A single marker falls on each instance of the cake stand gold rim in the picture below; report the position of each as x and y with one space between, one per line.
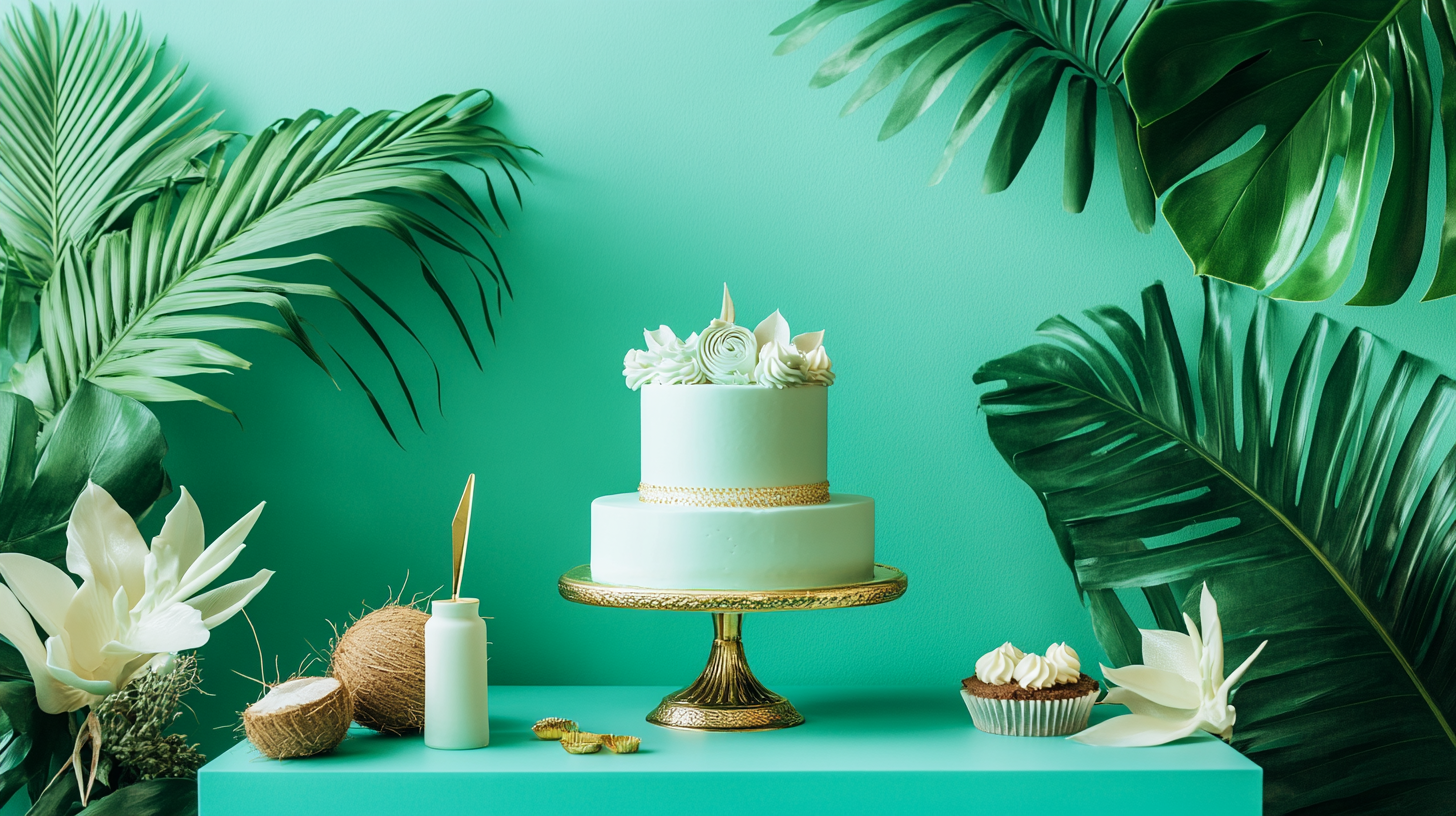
888 584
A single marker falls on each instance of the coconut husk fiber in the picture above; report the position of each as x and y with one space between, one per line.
380 659
300 718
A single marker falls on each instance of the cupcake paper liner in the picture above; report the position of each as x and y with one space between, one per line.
1030 718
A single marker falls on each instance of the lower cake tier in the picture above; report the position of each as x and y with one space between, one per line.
677 547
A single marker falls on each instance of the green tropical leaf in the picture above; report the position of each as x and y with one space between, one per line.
1033 46
1320 513
99 436
88 126
155 797
1318 79
32 743
127 317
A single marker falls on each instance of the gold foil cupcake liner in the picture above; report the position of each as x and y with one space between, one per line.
553 728
622 744
1030 718
576 743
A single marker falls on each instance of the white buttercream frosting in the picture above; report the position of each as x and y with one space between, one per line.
1065 660
817 367
995 668
1034 672
726 353
779 366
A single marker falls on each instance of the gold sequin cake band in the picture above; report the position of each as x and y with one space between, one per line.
787 496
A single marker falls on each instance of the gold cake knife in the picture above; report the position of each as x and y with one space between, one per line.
460 533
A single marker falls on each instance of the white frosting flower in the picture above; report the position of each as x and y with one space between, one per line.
779 366
638 367
1034 672
817 367
728 352
1065 660
995 668
677 362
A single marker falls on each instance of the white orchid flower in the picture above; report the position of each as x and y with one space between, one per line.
1179 690
133 603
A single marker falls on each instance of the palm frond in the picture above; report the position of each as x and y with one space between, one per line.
1032 46
127 316
88 126
1322 514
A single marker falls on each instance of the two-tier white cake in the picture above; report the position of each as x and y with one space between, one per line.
735 489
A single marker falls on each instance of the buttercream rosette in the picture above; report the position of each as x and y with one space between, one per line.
1020 694
726 353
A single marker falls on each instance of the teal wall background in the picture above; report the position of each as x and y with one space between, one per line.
678 154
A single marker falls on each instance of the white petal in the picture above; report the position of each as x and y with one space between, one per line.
773 329
1138 704
218 557
1156 685
53 696
1196 641
60 664
1212 637
103 543
179 543
1170 651
173 628
660 338
809 341
1136 730
41 587
217 605
1227 685
727 314
90 624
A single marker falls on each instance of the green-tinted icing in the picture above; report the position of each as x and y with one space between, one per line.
678 155
869 750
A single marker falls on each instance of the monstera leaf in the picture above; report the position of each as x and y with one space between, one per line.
1026 48
99 436
1320 513
1316 79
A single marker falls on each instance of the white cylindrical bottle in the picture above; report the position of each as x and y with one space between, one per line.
456 705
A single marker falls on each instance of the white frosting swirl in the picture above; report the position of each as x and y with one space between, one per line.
1034 672
1011 651
728 352
995 668
1065 660
779 366
639 367
817 368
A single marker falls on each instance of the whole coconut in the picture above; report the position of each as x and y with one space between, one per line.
381 661
303 717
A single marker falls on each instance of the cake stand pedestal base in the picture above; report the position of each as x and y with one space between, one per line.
726 696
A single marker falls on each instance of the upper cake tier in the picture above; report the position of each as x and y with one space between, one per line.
733 436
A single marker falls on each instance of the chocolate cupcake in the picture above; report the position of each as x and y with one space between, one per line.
1030 695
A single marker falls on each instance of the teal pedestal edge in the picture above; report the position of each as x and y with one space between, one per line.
863 750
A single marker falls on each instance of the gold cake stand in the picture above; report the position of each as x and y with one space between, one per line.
726 696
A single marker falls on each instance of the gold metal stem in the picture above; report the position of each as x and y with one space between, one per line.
726 696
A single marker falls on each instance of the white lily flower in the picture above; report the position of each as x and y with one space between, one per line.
1179 690
133 603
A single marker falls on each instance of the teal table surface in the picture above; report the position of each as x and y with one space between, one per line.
863 750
